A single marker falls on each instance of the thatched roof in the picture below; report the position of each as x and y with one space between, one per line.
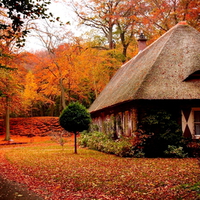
160 71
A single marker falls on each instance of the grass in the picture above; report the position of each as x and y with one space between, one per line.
94 175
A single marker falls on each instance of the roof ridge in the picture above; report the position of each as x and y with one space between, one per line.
163 35
157 56
149 46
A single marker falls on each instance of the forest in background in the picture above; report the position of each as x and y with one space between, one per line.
78 68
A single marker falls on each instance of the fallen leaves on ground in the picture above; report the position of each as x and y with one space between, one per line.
59 174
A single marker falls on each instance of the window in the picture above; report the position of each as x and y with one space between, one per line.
193 76
196 122
191 122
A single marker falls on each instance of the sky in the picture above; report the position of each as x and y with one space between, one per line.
58 9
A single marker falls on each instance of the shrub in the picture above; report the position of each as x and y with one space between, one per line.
193 148
163 131
175 152
99 141
58 136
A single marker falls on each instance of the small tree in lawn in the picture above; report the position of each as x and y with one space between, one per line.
75 118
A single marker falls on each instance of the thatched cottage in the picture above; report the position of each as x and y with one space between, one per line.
166 74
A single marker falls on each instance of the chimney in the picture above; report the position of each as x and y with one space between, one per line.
142 42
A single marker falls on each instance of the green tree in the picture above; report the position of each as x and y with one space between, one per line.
75 118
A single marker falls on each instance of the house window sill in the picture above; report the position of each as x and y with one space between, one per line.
197 137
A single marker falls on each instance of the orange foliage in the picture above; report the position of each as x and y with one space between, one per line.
80 70
84 72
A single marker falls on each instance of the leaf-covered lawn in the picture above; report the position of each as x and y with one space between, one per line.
60 174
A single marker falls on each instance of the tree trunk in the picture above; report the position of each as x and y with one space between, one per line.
75 141
125 52
110 37
124 43
62 94
7 121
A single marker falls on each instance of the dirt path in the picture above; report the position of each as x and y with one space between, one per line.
10 190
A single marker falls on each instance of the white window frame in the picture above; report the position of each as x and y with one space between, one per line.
192 125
